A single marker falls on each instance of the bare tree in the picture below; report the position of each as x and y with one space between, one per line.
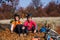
13 3
37 3
8 9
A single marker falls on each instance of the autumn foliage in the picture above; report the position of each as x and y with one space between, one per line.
50 10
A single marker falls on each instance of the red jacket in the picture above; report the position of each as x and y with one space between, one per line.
30 24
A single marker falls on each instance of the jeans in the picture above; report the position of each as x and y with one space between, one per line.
19 29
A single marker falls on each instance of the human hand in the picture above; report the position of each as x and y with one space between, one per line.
34 31
23 27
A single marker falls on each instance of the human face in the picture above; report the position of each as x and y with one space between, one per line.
29 19
17 18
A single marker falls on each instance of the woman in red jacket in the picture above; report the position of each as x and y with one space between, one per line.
30 24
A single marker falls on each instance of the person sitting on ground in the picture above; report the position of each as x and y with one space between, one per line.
45 28
30 24
17 26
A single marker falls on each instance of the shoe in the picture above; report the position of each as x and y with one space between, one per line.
20 34
11 32
25 34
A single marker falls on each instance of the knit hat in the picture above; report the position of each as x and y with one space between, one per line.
29 15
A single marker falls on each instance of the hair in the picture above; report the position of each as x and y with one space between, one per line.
16 15
29 15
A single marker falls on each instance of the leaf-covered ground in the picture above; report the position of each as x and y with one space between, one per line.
6 35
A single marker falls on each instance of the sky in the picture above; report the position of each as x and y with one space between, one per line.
25 3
